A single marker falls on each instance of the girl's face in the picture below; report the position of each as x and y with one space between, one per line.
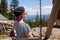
24 14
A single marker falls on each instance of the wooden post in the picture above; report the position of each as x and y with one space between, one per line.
53 16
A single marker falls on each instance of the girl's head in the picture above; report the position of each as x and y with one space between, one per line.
20 13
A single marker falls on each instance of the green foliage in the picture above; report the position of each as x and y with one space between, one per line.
4 8
43 20
31 23
14 4
11 15
37 20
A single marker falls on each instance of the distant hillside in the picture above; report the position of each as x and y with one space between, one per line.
32 17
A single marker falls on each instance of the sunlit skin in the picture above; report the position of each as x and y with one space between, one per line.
24 15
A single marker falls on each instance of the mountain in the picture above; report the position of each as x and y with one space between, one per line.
32 17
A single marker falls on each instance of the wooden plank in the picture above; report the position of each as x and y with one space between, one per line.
34 38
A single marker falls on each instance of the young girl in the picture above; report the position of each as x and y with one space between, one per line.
22 29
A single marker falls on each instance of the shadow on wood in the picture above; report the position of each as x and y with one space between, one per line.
34 38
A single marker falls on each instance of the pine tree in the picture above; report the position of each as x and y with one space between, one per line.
40 20
37 19
13 5
43 20
4 8
31 23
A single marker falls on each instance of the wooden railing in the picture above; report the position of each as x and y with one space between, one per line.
34 38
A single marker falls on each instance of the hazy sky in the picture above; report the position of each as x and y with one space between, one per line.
32 6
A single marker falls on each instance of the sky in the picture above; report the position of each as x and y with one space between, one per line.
32 6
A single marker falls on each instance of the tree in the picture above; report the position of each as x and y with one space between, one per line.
4 8
31 23
11 15
13 5
37 19
43 20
